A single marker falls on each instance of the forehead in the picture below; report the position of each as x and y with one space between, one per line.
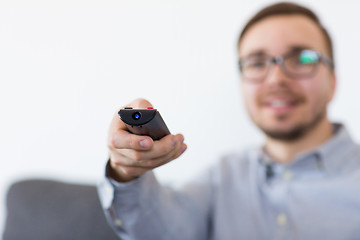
277 34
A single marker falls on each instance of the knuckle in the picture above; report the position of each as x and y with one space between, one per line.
137 156
172 156
165 148
116 162
112 144
113 140
132 142
153 163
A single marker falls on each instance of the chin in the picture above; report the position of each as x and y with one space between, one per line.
292 134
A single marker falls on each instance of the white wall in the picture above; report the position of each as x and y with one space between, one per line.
67 66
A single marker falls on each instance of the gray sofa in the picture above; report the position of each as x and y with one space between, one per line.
51 210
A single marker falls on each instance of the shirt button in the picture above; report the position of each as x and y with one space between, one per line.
118 222
281 219
287 175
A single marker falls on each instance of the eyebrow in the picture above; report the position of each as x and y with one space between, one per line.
296 48
262 52
256 53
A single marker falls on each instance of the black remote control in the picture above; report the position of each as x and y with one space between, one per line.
144 122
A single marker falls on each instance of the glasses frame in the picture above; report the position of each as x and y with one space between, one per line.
280 60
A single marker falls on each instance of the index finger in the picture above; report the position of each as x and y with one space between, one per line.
140 103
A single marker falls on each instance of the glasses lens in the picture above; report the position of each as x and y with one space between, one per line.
254 67
301 63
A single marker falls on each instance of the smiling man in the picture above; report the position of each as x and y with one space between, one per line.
288 81
302 183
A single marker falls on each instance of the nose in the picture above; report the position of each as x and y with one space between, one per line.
276 75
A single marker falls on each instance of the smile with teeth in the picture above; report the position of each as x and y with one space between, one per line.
280 103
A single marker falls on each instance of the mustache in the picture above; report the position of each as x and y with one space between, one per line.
282 93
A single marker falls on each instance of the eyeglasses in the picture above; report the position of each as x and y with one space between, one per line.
296 64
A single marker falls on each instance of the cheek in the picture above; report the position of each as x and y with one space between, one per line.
322 85
318 92
250 93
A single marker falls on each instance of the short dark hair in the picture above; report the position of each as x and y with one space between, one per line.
287 8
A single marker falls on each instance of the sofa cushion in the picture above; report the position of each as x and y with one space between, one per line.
44 209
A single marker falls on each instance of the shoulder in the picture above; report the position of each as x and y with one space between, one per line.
237 164
240 158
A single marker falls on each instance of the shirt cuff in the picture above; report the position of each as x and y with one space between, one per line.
108 187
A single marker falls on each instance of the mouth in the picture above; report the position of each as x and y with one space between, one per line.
278 103
281 105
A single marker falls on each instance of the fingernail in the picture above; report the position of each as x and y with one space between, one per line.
144 143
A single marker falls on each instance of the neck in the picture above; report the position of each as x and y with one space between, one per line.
285 151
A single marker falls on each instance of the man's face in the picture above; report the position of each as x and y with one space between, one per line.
286 108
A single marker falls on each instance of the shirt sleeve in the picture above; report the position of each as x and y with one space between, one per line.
143 209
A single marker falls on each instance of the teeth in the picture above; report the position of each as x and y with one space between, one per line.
279 103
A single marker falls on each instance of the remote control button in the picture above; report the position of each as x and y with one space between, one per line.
128 108
149 108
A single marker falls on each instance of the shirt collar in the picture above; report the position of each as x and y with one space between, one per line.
330 156
333 152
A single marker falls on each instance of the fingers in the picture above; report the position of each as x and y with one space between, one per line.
140 103
164 149
122 139
132 155
129 163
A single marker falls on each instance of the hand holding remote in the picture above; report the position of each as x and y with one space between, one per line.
131 155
